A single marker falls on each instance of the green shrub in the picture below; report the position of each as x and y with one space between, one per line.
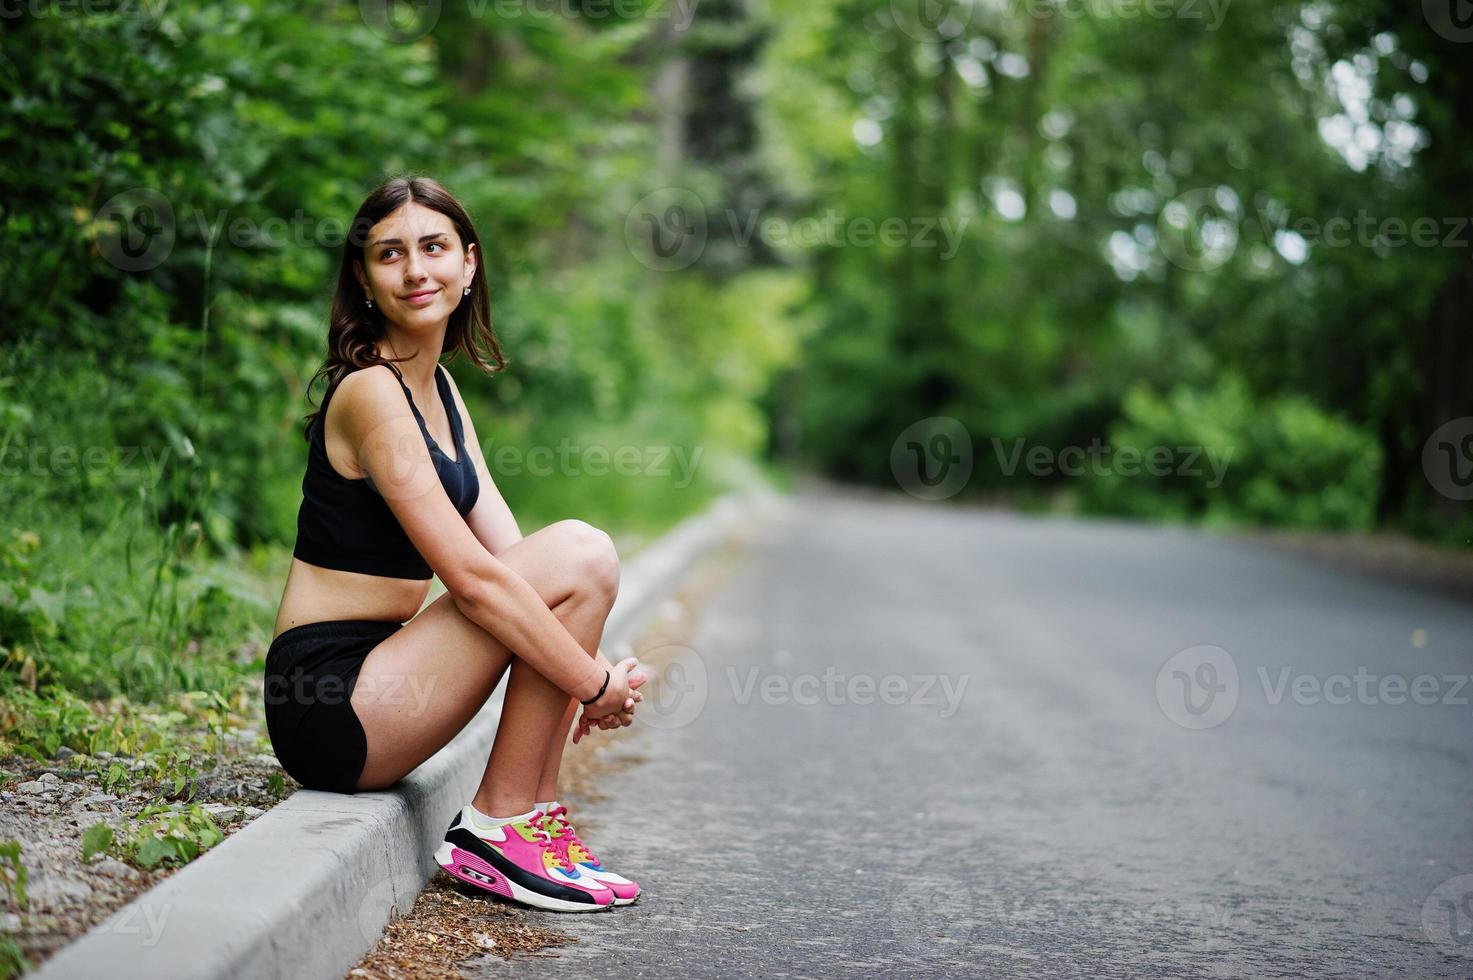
1276 460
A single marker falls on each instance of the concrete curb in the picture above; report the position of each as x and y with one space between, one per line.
306 888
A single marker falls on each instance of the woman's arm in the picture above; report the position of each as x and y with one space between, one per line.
390 448
491 519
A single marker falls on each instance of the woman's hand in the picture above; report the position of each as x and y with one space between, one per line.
616 695
622 718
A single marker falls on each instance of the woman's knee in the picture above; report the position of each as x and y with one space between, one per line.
596 557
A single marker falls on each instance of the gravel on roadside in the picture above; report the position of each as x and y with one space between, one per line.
47 806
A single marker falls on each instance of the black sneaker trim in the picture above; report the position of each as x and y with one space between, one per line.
464 839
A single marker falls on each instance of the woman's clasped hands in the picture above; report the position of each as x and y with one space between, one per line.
615 709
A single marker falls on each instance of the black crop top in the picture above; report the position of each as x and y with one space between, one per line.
347 525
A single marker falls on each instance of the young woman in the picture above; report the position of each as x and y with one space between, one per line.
396 488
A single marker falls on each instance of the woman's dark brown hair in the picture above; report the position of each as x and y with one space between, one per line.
355 327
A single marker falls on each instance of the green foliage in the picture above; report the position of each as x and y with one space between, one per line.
95 840
1083 158
23 615
150 446
1233 459
165 746
165 835
13 873
149 417
12 962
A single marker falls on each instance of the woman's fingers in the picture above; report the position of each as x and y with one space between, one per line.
619 719
581 729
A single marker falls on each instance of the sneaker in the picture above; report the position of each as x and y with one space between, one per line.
518 861
565 841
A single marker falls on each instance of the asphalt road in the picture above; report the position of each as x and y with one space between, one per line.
1107 750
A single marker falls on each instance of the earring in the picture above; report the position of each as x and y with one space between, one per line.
466 291
368 303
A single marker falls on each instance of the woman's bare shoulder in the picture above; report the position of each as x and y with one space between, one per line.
364 400
373 391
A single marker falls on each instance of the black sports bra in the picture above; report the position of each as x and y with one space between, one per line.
346 524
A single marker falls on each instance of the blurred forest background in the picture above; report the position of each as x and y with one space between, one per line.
780 232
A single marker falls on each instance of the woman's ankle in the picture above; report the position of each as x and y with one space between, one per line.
501 807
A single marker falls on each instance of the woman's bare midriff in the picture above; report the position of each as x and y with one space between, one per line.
315 594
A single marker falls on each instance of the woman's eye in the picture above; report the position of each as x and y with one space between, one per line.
389 253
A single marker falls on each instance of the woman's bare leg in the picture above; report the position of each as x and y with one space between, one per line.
547 786
422 685
535 720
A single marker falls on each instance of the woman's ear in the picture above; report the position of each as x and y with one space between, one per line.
472 259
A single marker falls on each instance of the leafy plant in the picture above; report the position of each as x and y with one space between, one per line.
1275 460
164 835
95 840
23 615
12 962
12 872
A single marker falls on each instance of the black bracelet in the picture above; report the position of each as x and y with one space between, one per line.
600 690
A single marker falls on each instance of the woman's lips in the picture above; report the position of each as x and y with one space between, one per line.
420 298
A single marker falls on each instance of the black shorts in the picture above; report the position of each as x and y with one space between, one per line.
311 671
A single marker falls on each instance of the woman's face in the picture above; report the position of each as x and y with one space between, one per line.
414 267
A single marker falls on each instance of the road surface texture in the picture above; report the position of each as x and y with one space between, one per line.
910 739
